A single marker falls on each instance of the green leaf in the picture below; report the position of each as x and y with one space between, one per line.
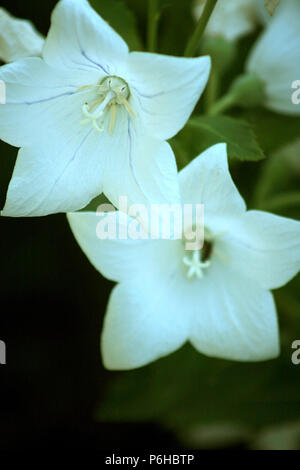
188 388
277 187
95 203
121 18
273 130
203 131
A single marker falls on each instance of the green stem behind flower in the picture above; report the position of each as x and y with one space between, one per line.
246 91
212 90
193 43
152 25
223 104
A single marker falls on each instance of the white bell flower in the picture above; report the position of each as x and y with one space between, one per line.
230 19
218 298
18 38
89 117
275 58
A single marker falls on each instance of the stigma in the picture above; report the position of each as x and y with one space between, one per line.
195 265
198 260
111 92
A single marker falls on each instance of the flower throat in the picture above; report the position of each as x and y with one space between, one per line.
198 260
113 92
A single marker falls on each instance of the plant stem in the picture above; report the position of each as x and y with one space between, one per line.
193 42
152 25
212 90
222 105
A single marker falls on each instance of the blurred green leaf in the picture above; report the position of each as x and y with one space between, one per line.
187 388
288 303
7 161
273 130
121 18
284 437
176 26
277 187
203 131
95 203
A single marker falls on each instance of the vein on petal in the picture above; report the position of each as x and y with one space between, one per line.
131 159
43 100
62 173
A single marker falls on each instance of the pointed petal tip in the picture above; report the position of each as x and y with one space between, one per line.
112 362
217 151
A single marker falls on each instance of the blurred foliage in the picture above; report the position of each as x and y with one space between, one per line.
121 18
278 182
273 130
203 131
187 388
41 262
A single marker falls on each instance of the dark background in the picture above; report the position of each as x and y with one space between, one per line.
54 390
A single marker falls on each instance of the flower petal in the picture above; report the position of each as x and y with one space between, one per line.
166 89
18 38
57 176
139 167
40 101
139 326
78 37
235 318
206 180
142 324
231 20
275 57
265 247
115 257
107 240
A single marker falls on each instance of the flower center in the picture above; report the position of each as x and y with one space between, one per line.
198 260
111 92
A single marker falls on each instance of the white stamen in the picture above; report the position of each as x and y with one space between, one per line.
113 91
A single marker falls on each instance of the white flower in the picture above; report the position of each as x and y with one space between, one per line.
231 19
275 57
92 117
18 38
218 298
